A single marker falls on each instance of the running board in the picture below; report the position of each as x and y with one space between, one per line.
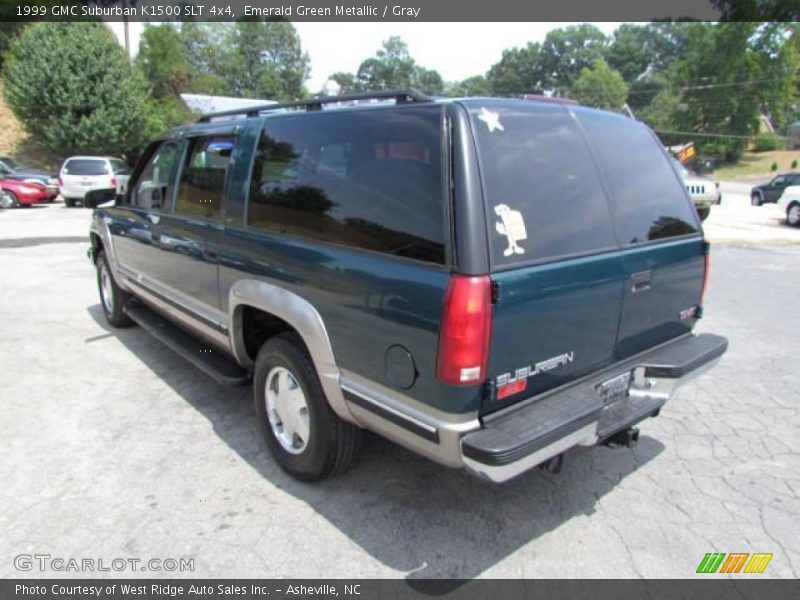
214 364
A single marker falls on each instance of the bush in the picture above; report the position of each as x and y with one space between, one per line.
774 167
74 90
766 142
794 164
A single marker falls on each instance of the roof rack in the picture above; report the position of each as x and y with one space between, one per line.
400 97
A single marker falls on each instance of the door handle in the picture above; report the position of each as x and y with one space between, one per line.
640 282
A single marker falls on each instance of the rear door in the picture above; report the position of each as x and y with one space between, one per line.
663 250
190 233
555 262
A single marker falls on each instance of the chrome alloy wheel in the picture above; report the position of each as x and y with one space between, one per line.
287 410
6 201
106 291
793 216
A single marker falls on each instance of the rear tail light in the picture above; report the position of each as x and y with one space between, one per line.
465 330
113 182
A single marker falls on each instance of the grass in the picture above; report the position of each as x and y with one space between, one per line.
755 165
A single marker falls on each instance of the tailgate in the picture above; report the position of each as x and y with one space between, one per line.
555 260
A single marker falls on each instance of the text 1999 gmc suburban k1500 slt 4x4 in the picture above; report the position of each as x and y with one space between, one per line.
487 282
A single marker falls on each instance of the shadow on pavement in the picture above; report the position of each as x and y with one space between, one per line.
403 510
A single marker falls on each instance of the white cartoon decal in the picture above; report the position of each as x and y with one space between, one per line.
512 226
492 120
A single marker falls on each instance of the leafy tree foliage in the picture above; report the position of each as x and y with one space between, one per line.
74 90
162 60
518 72
265 60
600 86
566 52
477 85
392 67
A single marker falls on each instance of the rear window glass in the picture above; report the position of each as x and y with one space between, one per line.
369 179
650 201
543 194
85 166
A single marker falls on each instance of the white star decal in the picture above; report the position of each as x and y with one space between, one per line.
492 120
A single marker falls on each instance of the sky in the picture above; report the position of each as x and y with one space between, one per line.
456 50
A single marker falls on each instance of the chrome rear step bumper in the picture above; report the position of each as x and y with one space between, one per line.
521 437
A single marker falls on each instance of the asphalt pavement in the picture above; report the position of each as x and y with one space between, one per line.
114 447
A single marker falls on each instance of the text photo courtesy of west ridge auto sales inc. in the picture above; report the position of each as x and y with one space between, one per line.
400 301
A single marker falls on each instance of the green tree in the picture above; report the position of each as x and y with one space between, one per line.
202 44
566 52
392 67
162 60
600 86
477 85
428 81
346 82
518 71
74 90
264 60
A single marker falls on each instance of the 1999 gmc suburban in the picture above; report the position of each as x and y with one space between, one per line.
487 282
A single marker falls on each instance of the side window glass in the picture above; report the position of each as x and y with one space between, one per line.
202 183
367 179
154 187
779 181
651 203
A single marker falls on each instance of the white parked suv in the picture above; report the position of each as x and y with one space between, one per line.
91 180
789 205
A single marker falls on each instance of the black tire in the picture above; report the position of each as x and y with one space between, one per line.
69 202
332 445
793 214
12 199
756 199
113 299
703 213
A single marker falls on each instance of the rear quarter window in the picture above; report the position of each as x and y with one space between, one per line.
543 196
367 179
648 198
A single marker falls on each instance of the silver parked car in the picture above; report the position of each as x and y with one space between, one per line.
703 190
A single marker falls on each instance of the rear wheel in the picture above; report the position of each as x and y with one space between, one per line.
307 439
8 199
69 202
793 215
703 213
112 297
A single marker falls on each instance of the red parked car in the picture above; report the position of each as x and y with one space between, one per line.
21 193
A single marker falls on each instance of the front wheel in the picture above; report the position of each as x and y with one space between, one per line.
307 439
793 215
703 213
8 199
69 202
756 199
112 297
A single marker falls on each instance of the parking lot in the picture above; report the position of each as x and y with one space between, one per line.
115 447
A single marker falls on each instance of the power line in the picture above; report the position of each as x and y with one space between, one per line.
717 135
709 86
